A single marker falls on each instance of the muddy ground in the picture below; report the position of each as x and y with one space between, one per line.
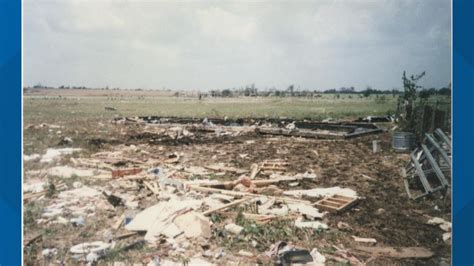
384 212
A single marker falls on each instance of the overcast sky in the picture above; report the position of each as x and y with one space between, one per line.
228 44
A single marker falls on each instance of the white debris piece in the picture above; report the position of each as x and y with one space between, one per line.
443 224
283 210
199 262
52 154
446 236
79 201
322 192
312 224
306 210
364 240
34 185
68 172
49 252
98 247
194 225
234 229
245 253
158 219
92 257
318 258
81 193
32 157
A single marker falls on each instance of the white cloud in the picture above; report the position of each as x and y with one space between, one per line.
204 45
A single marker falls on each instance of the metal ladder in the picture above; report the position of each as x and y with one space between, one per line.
433 157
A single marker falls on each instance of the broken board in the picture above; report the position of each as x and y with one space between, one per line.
336 203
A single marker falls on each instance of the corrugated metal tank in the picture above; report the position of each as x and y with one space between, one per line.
403 141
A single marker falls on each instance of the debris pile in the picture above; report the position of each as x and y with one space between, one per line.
165 195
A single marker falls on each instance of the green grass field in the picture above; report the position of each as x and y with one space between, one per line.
38 109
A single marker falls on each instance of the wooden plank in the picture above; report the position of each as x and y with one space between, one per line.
337 201
119 222
33 239
225 206
257 183
243 194
398 252
254 171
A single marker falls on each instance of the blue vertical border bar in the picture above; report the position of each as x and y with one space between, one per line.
10 132
463 132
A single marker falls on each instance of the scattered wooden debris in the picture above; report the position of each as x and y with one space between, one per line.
242 194
272 166
256 183
336 203
30 196
152 186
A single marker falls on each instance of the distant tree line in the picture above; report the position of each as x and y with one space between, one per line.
291 92
252 91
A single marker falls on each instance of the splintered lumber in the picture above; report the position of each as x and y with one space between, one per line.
119 222
33 239
34 195
151 187
243 194
398 252
266 182
125 235
225 206
254 171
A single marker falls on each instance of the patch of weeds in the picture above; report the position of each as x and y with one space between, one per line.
194 177
114 254
327 250
86 233
267 234
334 235
216 218
212 176
32 212
184 260
47 232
